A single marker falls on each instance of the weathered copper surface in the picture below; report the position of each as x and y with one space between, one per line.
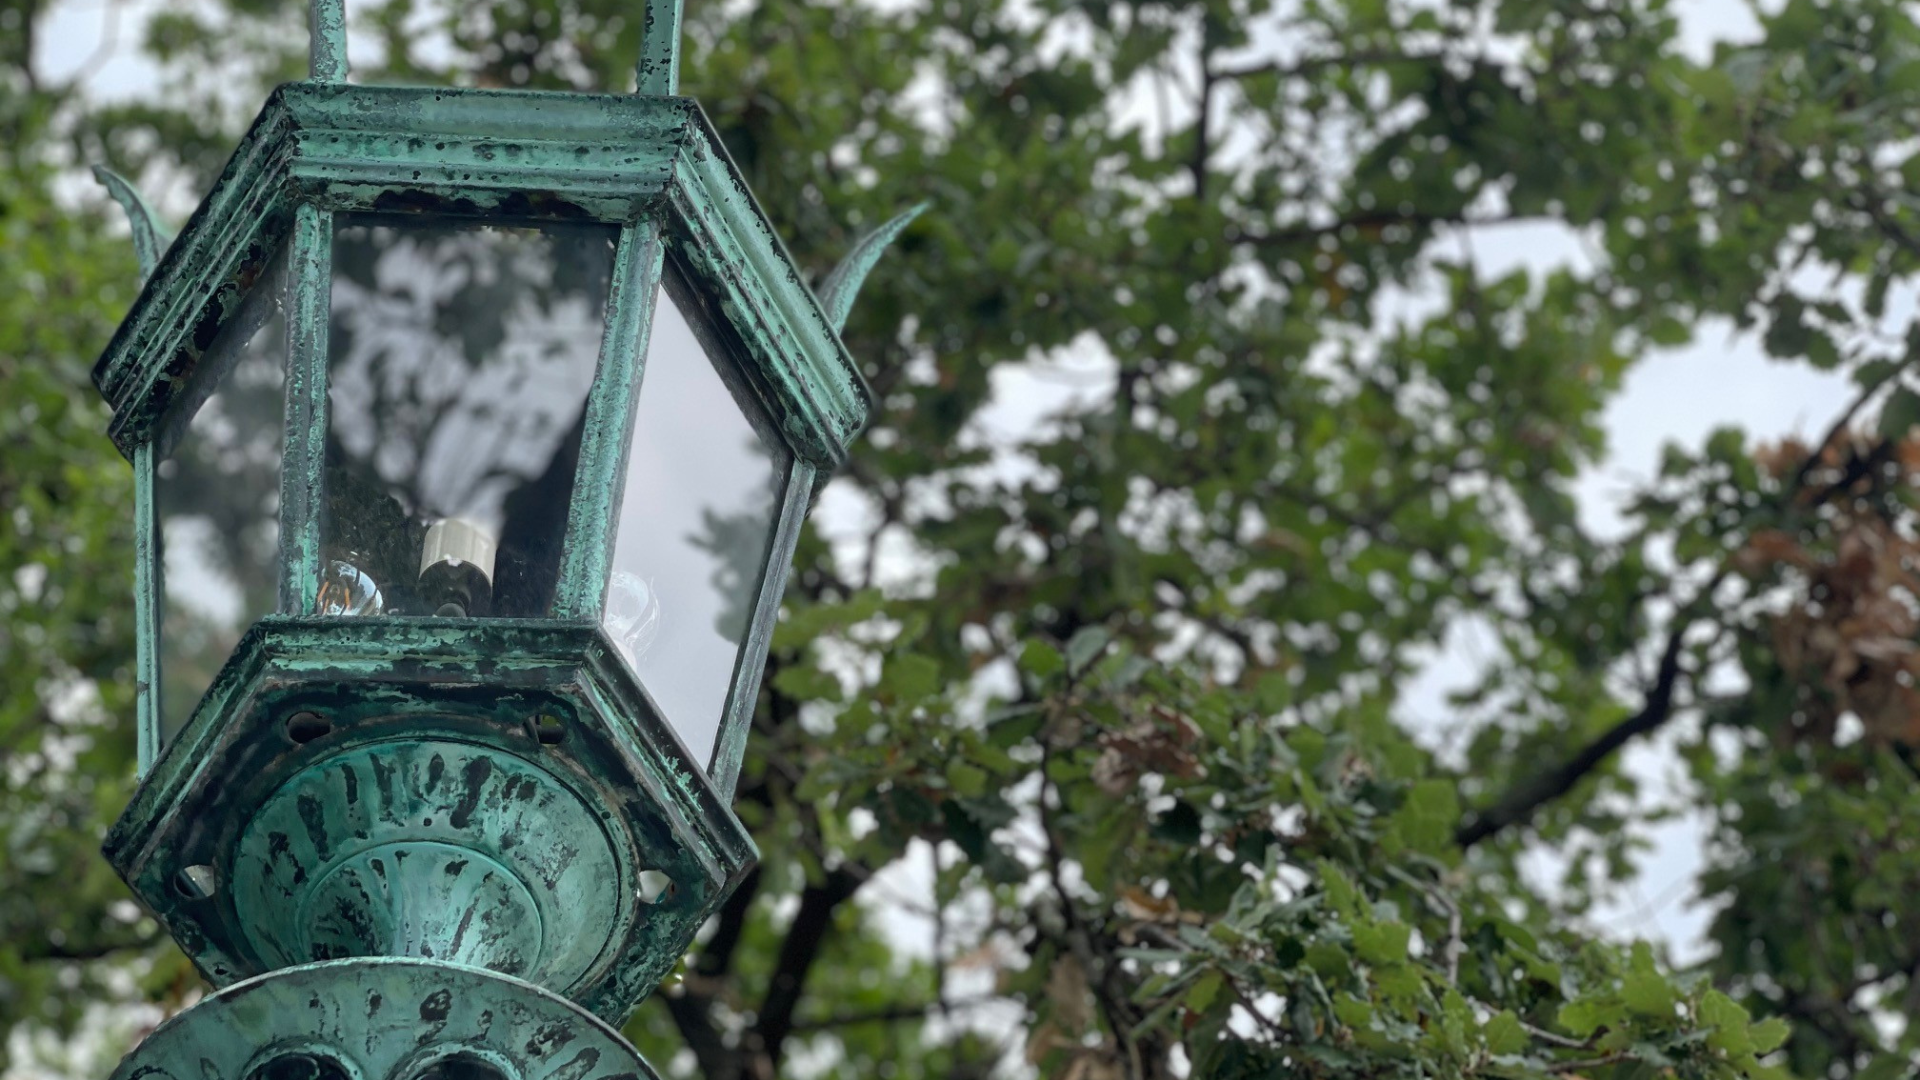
498 793
384 1019
424 848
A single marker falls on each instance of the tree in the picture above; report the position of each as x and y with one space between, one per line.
1129 672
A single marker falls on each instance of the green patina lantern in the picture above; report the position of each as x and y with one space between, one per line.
472 434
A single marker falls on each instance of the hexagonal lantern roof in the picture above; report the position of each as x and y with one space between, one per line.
498 155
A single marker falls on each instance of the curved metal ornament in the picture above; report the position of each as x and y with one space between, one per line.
150 238
384 1019
843 284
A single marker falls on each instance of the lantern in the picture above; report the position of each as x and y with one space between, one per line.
472 433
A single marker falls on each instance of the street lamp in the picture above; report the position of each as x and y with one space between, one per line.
472 432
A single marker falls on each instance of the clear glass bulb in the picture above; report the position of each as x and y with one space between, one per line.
345 589
633 614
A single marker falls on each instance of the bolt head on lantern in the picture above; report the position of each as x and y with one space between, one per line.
472 433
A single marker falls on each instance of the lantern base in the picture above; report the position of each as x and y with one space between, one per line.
487 793
384 1019
430 847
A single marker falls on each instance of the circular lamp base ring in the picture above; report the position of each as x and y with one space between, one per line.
382 1018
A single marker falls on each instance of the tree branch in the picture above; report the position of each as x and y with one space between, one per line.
1524 800
805 937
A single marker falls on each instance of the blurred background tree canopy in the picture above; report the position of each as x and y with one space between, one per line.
1199 428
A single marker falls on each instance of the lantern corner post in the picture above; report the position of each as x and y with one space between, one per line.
608 421
658 73
308 308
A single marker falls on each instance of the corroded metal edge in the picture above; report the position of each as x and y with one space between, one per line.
730 747
725 244
147 568
606 437
503 154
382 1017
199 282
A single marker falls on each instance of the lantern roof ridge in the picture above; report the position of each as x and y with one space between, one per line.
512 156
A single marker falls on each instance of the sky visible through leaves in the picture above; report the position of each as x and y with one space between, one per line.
1677 396
1723 378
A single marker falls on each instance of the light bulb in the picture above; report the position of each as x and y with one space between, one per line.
345 589
633 615
456 568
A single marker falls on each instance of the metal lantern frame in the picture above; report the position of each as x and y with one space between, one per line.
651 166
548 696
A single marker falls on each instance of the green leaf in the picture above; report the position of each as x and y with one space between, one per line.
1899 415
910 677
1649 994
1427 818
1329 961
1769 1035
966 779
1382 943
1503 1033
1886 1067
804 682
1584 1016
1085 647
1352 1011
1204 989
1042 660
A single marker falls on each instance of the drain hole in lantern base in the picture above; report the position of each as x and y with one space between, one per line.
195 882
460 1067
299 1066
548 729
304 727
655 887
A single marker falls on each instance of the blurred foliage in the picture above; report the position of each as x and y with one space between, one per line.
1123 683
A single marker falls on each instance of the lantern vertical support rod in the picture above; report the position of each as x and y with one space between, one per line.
609 416
328 44
659 72
146 610
730 749
309 306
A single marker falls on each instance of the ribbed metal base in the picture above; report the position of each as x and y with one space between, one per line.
384 1019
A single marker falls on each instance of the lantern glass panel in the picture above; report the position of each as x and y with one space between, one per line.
459 360
217 499
697 513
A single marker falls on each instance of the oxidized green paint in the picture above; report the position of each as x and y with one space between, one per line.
841 286
150 238
610 408
501 155
146 612
327 56
326 742
489 798
383 1019
659 70
309 296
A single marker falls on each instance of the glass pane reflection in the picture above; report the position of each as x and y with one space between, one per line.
217 498
696 519
459 360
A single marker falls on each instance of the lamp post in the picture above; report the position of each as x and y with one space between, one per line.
472 431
